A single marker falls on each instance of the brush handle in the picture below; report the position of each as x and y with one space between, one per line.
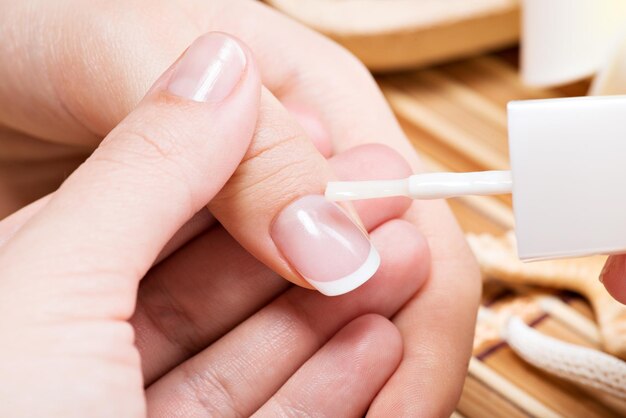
445 185
424 186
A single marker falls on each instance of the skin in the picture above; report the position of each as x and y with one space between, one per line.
613 277
81 262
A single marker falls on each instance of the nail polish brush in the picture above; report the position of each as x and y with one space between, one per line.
424 186
567 178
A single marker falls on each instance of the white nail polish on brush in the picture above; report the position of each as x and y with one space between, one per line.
568 178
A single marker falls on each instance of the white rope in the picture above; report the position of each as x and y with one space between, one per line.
575 363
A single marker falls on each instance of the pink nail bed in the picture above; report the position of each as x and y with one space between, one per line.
210 69
324 245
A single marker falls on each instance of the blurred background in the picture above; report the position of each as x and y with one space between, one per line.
550 341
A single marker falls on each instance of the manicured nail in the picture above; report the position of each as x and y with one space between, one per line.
323 244
209 70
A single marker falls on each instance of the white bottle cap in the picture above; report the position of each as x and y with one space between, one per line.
568 161
566 40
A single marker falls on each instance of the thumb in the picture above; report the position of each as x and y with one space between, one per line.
101 231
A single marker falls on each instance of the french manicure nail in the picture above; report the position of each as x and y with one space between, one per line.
324 245
209 70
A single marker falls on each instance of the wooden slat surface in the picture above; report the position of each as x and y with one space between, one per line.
390 35
455 115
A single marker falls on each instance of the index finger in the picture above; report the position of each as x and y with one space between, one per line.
437 324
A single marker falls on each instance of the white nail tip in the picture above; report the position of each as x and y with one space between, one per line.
352 280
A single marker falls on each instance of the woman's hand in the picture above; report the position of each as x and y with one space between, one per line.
217 333
72 70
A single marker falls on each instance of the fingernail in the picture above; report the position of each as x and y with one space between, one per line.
323 244
209 70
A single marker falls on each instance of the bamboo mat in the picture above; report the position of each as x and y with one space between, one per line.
455 116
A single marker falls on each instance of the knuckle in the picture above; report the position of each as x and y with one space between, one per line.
210 393
341 54
99 46
286 408
147 144
279 160
150 153
167 313
349 61
148 139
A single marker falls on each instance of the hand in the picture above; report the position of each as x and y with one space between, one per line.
71 269
328 91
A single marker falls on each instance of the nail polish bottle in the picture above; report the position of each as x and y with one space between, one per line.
568 177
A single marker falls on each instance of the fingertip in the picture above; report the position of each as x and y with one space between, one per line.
352 281
373 162
404 250
252 72
369 162
216 67
613 277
